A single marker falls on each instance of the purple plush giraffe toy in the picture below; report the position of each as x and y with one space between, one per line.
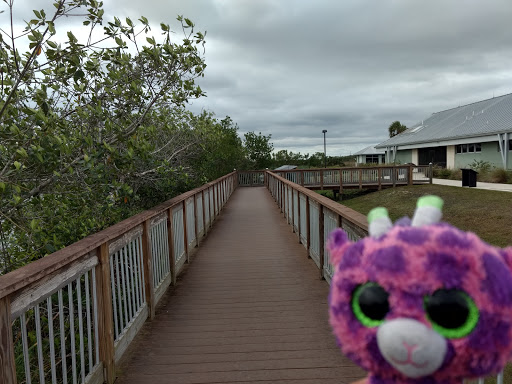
421 302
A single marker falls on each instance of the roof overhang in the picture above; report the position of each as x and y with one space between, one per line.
442 143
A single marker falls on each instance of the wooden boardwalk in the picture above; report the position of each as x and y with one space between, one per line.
249 309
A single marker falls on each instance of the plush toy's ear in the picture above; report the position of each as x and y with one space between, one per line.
428 211
337 244
378 222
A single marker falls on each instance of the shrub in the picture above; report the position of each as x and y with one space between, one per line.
500 175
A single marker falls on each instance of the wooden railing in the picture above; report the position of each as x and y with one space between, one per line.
358 177
251 178
70 316
313 217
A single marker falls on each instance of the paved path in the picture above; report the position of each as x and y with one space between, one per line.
249 309
479 185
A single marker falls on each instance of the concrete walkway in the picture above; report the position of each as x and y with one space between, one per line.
479 185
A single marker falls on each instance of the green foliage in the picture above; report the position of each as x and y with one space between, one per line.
481 166
396 128
258 150
94 131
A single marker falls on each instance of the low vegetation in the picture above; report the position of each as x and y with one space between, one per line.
486 173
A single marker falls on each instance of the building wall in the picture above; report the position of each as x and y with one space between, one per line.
415 156
489 153
450 156
404 156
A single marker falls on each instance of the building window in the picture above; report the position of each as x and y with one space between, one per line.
372 159
469 148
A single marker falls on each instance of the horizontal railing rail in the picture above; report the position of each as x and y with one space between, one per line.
313 217
358 177
71 315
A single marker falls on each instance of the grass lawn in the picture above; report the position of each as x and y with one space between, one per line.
486 213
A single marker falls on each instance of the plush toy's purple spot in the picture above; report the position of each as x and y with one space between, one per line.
450 354
414 236
483 365
490 333
454 238
389 259
498 282
352 257
403 222
379 380
447 269
339 237
375 355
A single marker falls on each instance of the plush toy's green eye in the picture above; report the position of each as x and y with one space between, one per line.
452 313
370 304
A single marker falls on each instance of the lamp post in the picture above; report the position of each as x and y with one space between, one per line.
325 153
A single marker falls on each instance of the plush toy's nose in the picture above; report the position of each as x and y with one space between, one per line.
411 347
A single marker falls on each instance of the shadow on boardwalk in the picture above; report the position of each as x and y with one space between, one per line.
250 308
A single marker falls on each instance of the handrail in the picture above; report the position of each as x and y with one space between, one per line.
72 314
313 216
358 177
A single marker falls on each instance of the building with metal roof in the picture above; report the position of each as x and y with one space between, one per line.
456 137
285 168
370 155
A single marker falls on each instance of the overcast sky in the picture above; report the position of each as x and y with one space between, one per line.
291 68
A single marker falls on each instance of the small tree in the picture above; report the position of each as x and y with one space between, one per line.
396 128
259 150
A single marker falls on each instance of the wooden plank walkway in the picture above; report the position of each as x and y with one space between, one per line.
249 309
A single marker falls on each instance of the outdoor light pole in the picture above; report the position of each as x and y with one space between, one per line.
325 153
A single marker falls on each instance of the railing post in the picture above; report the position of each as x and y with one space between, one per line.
7 361
298 214
210 205
205 231
410 181
148 268
430 172
196 226
321 238
105 316
379 175
308 228
322 180
393 175
302 178
341 182
170 241
185 235
293 211
360 178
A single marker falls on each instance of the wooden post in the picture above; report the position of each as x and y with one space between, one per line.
322 180
302 178
148 268
298 214
252 177
339 221
205 231
379 176
210 206
170 242
196 225
410 181
105 316
393 175
308 228
341 182
430 172
7 361
185 235
322 239
360 178
293 211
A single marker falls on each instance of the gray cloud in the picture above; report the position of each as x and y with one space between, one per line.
291 68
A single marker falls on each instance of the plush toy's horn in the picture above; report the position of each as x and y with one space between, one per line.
428 211
379 222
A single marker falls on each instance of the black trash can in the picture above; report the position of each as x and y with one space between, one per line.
468 177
